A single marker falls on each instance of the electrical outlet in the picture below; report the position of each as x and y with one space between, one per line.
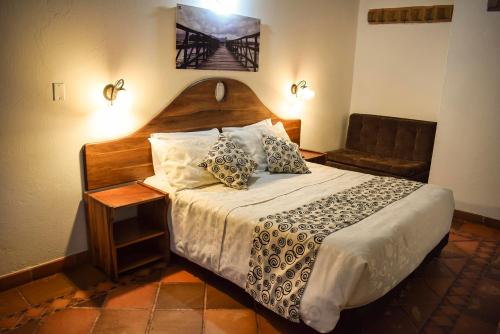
58 91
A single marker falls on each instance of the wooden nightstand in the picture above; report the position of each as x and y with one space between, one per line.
120 244
313 156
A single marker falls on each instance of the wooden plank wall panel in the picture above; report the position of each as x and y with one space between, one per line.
416 14
129 158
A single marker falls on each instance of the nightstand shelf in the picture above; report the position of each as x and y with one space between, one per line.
313 156
139 254
133 230
122 244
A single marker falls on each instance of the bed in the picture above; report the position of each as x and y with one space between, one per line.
216 226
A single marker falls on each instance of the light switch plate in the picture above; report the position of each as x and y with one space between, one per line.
58 91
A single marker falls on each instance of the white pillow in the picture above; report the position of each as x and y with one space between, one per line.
264 123
155 154
178 161
179 135
213 133
280 132
249 138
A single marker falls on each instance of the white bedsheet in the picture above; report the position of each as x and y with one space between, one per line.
213 227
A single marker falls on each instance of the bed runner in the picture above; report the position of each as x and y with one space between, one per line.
285 244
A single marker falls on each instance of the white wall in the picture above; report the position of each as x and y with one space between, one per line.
467 150
399 68
87 44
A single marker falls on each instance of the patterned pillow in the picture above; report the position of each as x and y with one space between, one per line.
283 156
228 163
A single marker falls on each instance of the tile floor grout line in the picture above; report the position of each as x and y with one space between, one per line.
153 309
131 308
469 294
442 299
419 330
205 301
170 309
107 297
35 331
95 321
460 308
254 308
23 297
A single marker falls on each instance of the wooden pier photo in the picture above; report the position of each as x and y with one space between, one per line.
209 41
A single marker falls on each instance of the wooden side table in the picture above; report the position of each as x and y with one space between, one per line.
120 244
313 156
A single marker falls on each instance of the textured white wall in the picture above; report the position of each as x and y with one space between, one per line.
87 44
467 150
399 68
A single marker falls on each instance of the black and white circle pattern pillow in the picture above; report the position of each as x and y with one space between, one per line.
229 164
283 156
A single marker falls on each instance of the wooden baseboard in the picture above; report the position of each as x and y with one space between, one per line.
475 218
43 270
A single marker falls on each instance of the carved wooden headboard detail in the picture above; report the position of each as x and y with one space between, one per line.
129 158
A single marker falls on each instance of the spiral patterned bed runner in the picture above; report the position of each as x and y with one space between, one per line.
285 244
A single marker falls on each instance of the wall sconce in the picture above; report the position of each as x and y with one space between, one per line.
110 92
221 7
220 91
302 90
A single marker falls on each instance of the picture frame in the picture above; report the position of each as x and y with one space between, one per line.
206 40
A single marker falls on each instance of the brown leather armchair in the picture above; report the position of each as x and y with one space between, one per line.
390 146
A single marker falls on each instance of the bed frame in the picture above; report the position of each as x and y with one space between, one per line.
128 159
196 108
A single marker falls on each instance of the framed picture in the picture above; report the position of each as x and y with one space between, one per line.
208 41
493 5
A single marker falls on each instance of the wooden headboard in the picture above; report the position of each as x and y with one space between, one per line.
129 158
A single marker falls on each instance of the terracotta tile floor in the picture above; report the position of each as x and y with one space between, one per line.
458 292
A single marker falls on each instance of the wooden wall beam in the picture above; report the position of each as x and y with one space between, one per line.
415 14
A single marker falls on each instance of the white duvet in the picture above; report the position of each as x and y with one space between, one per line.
213 227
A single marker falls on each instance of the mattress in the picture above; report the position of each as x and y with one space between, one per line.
213 227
